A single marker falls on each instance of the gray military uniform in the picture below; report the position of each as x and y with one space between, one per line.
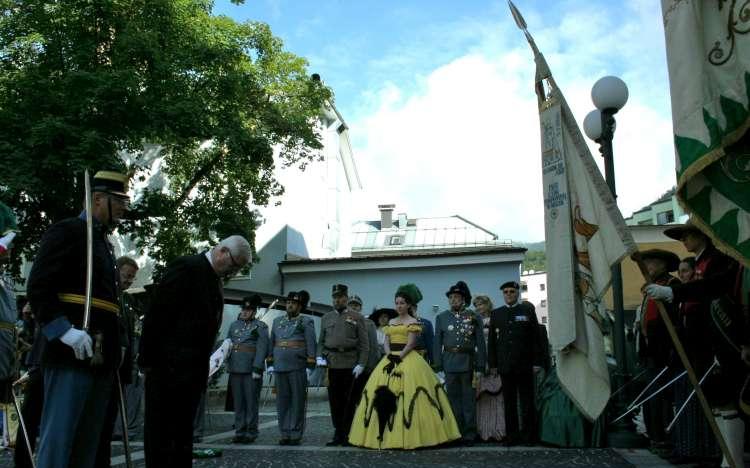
460 351
293 342
373 356
247 354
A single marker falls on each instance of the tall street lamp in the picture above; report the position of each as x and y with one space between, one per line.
610 95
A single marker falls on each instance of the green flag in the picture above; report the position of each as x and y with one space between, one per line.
708 53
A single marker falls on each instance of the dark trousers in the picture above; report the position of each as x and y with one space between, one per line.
342 400
462 398
31 411
657 412
171 404
520 412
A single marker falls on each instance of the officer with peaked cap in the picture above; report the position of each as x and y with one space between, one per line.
291 361
77 392
248 348
514 352
460 354
344 348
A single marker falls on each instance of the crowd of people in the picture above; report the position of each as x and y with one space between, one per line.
395 380
706 299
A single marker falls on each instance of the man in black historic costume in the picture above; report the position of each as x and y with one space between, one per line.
514 353
179 331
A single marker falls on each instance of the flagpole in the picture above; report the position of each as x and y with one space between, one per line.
688 367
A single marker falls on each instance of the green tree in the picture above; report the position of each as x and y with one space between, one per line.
535 260
82 80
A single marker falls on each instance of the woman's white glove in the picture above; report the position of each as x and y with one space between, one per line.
269 370
80 341
321 362
660 293
357 371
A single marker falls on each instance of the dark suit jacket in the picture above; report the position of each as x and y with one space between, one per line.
513 339
183 319
60 268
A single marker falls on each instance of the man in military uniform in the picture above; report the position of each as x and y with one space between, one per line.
134 380
248 347
373 358
179 332
460 356
127 269
291 361
514 352
344 348
76 392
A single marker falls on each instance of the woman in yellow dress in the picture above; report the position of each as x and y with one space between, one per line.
403 406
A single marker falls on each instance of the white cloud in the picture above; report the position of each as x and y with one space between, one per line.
464 138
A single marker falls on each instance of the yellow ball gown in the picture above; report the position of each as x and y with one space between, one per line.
420 414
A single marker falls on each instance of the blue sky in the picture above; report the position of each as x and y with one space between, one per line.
440 103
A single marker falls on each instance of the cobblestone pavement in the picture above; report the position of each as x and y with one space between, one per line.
313 453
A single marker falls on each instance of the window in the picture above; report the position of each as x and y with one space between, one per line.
395 240
524 287
544 320
543 303
665 217
541 286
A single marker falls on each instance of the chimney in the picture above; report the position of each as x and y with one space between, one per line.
386 216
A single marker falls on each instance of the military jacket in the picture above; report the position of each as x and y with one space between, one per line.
57 288
343 340
249 347
373 357
459 342
513 339
293 342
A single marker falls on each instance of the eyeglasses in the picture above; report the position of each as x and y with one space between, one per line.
510 291
235 266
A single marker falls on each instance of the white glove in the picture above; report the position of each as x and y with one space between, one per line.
269 370
660 293
357 371
321 362
441 377
6 241
256 375
309 373
80 341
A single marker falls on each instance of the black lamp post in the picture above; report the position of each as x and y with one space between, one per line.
609 95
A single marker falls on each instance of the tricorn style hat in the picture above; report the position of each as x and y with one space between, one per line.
302 297
375 315
410 292
251 302
678 232
355 299
671 260
510 284
340 290
462 289
113 183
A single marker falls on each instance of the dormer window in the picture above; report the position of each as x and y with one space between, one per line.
395 240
